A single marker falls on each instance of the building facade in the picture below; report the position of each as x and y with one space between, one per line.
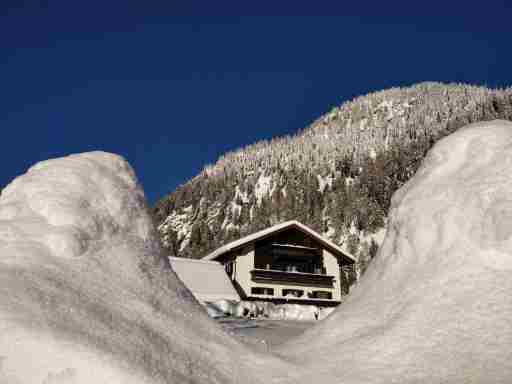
288 262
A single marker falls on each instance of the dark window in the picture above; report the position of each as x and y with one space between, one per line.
289 258
320 295
291 251
262 291
293 292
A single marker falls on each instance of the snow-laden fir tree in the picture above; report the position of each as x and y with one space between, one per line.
336 176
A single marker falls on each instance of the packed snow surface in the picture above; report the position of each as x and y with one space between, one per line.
86 295
435 305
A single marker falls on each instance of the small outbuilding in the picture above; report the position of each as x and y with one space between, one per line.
207 280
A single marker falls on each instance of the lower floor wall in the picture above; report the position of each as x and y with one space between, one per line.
290 300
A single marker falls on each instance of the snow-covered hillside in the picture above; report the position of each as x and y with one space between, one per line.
337 176
435 305
86 295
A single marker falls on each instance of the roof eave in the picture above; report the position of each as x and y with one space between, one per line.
278 227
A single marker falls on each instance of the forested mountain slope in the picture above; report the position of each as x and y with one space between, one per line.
336 176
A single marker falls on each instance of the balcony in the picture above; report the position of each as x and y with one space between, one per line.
269 276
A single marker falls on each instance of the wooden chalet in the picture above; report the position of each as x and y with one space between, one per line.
286 263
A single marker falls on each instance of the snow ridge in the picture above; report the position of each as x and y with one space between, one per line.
88 292
434 305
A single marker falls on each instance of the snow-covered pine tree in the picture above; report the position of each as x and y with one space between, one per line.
337 175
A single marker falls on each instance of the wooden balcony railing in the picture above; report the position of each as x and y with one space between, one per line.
269 276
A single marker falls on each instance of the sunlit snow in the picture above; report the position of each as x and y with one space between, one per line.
87 296
435 304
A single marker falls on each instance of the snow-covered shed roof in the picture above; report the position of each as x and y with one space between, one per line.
277 228
207 280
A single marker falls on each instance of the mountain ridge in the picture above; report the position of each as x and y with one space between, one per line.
336 176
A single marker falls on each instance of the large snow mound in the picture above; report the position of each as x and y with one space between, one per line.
68 206
435 305
86 294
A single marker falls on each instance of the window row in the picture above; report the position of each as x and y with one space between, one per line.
291 293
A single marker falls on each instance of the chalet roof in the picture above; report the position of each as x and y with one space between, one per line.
207 280
277 228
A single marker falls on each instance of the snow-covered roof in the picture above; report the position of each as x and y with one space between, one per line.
276 228
207 280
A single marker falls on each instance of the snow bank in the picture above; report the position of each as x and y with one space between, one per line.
266 310
88 298
68 206
86 295
294 312
435 305
221 308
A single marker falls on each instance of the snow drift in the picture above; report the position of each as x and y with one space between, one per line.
435 304
267 310
86 295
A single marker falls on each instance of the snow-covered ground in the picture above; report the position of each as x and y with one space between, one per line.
435 305
263 334
87 297
266 310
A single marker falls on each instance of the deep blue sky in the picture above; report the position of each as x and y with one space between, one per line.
171 85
